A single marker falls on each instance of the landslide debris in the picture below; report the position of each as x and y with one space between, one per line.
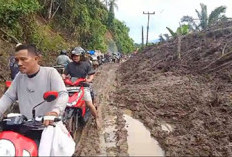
192 92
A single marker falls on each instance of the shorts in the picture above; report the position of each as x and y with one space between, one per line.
87 95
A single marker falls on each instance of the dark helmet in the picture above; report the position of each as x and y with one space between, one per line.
63 52
78 51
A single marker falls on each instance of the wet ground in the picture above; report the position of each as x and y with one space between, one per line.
140 142
121 134
185 101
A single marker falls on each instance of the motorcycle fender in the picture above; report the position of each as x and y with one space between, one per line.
21 143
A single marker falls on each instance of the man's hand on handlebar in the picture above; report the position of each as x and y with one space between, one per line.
88 80
65 76
50 122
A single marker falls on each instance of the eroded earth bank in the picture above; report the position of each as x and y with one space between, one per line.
181 91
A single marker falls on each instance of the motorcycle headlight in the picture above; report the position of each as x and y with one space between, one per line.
7 148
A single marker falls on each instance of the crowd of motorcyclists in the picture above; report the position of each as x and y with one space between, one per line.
30 80
94 59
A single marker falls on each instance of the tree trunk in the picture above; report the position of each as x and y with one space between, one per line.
56 11
50 10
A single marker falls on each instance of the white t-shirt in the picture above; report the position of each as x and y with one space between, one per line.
29 92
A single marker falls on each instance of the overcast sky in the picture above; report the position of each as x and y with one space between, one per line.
167 14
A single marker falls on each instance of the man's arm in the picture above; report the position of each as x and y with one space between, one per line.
8 98
69 60
90 78
90 73
66 72
58 85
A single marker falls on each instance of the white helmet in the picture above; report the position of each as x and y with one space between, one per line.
78 51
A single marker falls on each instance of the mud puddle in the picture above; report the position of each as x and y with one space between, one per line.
140 142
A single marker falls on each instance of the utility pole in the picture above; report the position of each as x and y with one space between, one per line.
142 38
148 23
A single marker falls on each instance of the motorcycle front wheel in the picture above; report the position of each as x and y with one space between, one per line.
72 125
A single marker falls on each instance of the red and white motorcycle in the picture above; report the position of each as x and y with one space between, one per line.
20 136
76 113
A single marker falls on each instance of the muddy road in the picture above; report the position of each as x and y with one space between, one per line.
111 140
121 133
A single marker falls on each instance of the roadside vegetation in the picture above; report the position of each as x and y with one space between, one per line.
203 21
53 25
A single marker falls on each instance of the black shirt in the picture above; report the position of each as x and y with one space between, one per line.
79 70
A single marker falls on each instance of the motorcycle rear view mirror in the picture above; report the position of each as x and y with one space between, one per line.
50 96
7 84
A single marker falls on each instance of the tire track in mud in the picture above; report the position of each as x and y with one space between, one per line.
112 139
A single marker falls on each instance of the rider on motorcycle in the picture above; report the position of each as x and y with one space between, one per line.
31 83
63 59
82 69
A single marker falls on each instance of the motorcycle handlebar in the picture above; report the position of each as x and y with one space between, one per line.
19 120
68 81
53 118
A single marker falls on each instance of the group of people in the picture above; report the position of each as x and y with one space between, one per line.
63 59
33 80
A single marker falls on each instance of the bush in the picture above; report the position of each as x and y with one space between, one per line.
12 10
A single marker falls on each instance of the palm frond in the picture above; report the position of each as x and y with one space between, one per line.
190 21
171 32
203 16
217 14
114 4
198 14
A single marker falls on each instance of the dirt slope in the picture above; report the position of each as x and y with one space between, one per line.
191 93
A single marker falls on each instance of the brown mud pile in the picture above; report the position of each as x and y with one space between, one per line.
186 83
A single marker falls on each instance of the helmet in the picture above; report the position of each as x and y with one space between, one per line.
78 51
63 52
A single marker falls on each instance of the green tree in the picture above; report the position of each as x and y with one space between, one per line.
14 12
11 11
204 19
111 17
121 37
181 30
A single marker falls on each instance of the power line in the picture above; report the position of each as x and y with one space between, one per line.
148 13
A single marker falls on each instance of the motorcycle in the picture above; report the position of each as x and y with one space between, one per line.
76 113
20 136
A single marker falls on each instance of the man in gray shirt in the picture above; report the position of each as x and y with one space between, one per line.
31 83
63 59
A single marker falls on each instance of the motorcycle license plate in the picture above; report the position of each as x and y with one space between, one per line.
73 88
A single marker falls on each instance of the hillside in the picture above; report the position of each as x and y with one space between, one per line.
191 93
56 25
